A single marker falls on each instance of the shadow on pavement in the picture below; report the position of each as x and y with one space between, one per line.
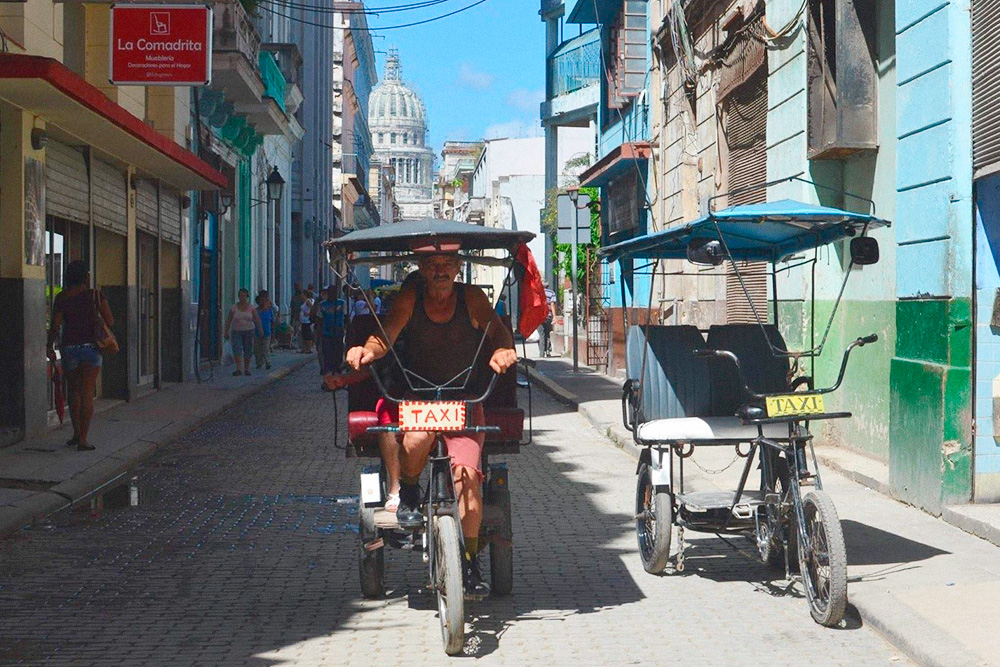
868 545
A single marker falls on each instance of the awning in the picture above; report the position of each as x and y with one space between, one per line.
49 89
427 233
616 163
758 232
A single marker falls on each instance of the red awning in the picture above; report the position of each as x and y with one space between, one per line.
616 163
49 89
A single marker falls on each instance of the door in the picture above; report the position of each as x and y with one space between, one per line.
65 242
147 307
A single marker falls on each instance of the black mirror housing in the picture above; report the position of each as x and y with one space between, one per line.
707 252
864 251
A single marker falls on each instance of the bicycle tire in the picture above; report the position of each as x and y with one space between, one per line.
823 560
448 584
654 522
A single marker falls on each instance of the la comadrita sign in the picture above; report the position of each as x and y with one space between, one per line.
161 45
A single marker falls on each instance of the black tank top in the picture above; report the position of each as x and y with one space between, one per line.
439 352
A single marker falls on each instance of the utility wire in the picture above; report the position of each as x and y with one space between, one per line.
379 28
371 11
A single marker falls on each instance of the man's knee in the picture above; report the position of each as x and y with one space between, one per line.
415 442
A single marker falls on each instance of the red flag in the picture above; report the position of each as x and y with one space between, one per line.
534 305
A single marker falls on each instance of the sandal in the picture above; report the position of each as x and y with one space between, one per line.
392 503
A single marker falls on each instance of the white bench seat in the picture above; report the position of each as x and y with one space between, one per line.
706 429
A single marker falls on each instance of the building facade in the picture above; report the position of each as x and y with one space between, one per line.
398 121
95 172
453 186
748 102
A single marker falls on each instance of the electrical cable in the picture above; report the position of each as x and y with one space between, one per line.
372 11
379 28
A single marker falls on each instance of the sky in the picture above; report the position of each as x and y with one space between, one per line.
481 73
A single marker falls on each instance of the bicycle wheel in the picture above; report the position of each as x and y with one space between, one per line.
654 522
773 522
823 560
448 584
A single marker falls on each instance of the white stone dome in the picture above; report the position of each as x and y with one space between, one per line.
392 102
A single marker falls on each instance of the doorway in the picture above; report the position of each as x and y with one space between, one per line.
65 242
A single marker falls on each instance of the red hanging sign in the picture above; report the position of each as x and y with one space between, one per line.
161 45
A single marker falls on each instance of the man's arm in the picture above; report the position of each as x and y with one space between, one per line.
485 318
377 346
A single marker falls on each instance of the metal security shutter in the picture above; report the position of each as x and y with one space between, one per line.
170 215
146 208
985 84
66 183
110 203
746 135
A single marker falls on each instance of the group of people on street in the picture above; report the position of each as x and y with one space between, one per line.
250 330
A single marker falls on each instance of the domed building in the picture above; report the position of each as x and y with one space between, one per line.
398 122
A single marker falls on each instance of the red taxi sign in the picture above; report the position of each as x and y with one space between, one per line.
432 416
161 45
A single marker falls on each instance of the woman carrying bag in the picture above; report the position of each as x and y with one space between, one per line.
82 321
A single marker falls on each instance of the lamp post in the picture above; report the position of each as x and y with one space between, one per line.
275 186
574 195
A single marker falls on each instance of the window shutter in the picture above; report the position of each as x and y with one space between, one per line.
986 85
633 56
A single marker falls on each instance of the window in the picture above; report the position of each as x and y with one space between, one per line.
626 59
406 138
381 137
392 138
392 105
842 77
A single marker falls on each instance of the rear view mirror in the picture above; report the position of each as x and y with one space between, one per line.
707 252
864 250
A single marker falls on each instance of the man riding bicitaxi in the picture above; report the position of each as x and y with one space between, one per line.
442 323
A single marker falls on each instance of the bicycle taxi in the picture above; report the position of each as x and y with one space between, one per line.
741 387
439 538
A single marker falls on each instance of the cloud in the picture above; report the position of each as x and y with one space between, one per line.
525 100
470 77
513 129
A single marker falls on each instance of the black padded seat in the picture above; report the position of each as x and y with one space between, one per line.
766 373
676 383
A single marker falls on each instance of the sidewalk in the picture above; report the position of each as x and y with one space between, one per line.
41 476
929 587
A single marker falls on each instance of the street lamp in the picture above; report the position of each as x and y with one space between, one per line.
275 185
225 201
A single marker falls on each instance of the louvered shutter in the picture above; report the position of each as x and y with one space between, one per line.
170 215
146 208
66 183
986 85
110 202
746 135
634 48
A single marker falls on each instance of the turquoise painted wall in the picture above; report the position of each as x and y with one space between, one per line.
868 304
931 376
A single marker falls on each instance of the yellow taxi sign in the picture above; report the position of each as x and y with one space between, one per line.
794 404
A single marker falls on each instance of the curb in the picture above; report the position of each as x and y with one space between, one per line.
72 491
911 633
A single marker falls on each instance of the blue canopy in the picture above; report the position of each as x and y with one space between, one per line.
759 232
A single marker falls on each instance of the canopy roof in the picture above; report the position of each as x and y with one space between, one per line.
761 232
429 235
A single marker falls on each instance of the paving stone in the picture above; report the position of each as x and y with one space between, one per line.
243 552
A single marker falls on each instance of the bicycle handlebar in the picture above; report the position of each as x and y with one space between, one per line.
705 353
395 399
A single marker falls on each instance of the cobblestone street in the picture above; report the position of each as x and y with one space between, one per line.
243 552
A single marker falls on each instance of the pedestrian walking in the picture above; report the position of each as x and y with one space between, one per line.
242 323
305 322
268 314
78 314
360 306
330 313
545 340
293 310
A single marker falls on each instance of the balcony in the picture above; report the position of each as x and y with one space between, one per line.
574 77
355 169
289 61
236 53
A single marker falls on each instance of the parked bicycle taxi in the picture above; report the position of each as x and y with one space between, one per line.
739 386
422 404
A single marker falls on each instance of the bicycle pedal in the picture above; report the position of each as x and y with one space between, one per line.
474 597
808 481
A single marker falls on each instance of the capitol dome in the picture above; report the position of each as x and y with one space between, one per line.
397 119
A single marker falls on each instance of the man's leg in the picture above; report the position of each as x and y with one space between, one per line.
389 447
413 457
469 491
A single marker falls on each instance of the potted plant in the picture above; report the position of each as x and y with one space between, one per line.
283 334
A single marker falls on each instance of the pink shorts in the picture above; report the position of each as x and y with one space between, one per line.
465 449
